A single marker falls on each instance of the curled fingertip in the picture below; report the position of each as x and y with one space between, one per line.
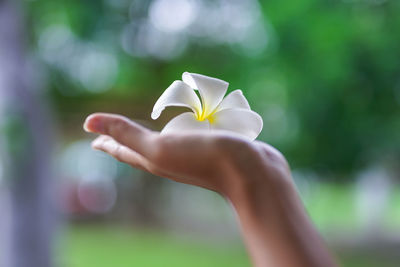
96 144
93 124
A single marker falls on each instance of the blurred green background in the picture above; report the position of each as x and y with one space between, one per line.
323 74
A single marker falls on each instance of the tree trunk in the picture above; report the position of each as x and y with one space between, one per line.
25 146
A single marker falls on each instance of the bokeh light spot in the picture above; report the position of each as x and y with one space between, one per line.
172 16
97 197
97 71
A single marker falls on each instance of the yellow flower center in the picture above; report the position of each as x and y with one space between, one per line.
202 116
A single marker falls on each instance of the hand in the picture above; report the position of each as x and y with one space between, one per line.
253 176
209 160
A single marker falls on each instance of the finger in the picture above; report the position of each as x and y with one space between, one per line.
120 152
123 130
124 154
272 154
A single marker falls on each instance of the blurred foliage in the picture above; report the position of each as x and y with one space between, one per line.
325 77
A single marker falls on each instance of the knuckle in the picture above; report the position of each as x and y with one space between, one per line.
232 147
159 151
274 156
118 127
117 153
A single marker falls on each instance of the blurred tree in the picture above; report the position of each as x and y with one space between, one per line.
26 144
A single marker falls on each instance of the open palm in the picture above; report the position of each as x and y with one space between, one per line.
199 158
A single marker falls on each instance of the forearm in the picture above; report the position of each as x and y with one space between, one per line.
275 226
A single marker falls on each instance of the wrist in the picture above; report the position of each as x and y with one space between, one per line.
276 228
255 176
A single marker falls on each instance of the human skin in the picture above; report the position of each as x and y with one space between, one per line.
253 176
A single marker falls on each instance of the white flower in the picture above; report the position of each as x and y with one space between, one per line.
212 112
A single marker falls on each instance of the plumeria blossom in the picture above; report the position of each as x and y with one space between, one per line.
211 111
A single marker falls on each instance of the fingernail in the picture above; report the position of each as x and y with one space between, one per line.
85 126
93 124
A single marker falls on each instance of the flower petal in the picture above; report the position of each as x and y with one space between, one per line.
185 121
244 122
211 90
177 94
235 99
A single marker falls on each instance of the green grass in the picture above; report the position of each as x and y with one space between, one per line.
333 206
99 246
367 260
111 246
